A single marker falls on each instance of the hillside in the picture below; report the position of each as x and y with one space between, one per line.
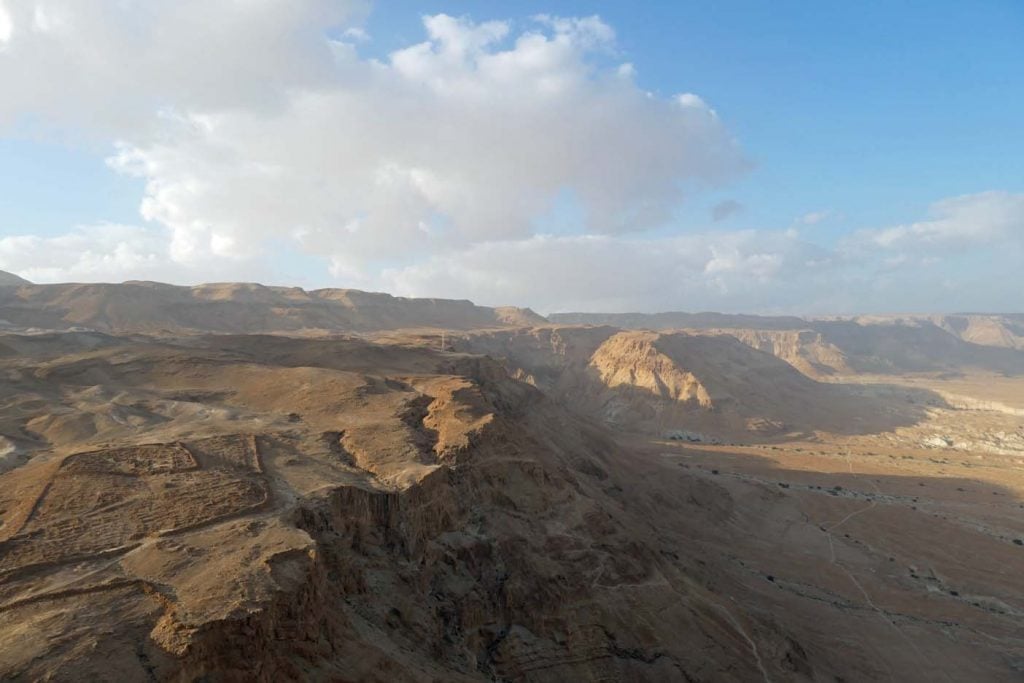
386 489
155 308
703 383
1005 331
867 344
245 507
680 320
428 519
11 280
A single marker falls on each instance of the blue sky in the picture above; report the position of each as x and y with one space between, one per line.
865 114
49 186
872 110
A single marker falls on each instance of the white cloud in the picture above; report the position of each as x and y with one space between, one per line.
731 270
356 34
971 220
106 66
249 126
626 70
110 252
6 25
87 253
469 136
738 271
586 31
814 217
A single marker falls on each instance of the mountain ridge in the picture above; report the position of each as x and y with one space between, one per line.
156 308
835 345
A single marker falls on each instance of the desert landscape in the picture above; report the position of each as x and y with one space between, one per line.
349 341
234 482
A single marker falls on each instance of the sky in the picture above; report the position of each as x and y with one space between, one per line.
740 156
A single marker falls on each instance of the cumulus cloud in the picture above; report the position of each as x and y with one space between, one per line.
105 67
930 266
725 271
466 137
260 126
966 221
112 252
87 253
6 26
767 271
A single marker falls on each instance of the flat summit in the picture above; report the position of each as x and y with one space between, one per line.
152 307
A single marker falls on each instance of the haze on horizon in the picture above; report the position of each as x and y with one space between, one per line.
558 155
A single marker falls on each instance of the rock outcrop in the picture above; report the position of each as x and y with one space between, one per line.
823 347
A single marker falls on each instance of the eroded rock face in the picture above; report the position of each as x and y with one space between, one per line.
727 386
416 525
822 347
245 508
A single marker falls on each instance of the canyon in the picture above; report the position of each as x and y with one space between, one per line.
234 482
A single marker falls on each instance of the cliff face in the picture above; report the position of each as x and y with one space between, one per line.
440 521
723 385
841 346
806 350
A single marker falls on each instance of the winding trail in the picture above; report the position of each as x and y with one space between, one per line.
750 641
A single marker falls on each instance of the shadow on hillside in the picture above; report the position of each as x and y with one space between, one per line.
822 547
847 410
897 349
755 398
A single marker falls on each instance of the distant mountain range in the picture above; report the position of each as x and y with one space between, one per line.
818 347
242 308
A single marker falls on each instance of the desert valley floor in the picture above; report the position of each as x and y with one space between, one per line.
242 483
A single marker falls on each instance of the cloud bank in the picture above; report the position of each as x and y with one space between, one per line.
771 271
